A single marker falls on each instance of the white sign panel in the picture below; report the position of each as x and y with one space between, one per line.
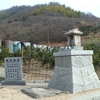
13 68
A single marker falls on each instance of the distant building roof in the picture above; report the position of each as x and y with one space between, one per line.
74 31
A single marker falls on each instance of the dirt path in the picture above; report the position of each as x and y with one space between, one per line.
14 93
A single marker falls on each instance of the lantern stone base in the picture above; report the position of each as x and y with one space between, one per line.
74 71
77 47
14 82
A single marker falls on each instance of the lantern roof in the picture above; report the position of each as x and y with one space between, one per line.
73 32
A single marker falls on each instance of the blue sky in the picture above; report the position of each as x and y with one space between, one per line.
92 6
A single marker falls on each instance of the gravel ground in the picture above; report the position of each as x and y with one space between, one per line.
14 93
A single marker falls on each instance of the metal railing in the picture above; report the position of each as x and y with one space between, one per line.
34 72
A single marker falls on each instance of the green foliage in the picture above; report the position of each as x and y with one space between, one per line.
52 7
26 55
3 15
58 9
18 53
88 29
44 56
4 53
96 50
22 17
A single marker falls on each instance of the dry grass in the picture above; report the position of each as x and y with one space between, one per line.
91 38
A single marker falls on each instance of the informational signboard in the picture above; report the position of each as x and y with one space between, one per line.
13 68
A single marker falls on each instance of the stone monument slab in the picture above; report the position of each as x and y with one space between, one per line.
13 71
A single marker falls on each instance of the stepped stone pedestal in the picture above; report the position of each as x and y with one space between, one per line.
74 71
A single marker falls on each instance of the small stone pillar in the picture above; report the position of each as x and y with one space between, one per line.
74 71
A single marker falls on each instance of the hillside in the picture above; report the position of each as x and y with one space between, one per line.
34 23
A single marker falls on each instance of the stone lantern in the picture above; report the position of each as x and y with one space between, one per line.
74 39
74 70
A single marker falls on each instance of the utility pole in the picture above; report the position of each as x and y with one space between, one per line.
47 49
48 37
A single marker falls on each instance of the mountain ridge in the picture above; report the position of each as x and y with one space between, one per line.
26 23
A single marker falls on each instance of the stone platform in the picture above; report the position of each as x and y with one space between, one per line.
14 82
40 92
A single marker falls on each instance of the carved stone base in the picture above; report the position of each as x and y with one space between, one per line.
74 71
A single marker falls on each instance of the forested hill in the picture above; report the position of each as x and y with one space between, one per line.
34 23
